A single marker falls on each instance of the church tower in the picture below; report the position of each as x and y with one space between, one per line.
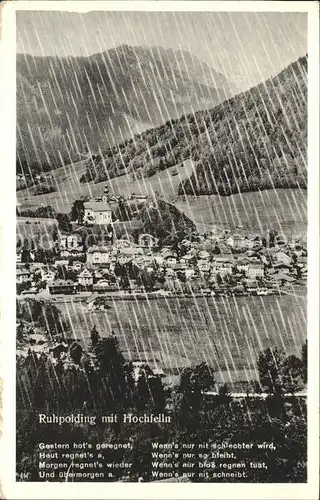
105 196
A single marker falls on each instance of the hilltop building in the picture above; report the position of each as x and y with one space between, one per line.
98 210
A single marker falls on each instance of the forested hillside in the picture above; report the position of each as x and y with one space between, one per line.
68 106
256 140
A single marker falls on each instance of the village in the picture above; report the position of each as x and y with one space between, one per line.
217 262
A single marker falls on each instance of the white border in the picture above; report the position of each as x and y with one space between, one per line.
13 490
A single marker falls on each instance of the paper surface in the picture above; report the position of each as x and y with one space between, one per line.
159 249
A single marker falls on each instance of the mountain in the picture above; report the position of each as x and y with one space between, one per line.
253 141
69 106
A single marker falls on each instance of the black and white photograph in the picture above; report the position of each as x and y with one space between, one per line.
161 329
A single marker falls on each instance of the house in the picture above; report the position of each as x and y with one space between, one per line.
170 273
47 275
74 241
23 276
224 248
127 254
97 302
159 260
105 285
61 262
230 241
223 258
98 255
63 287
257 239
242 265
123 243
302 262
282 267
147 241
98 211
255 270
35 267
281 278
172 283
179 266
97 275
64 253
169 256
143 368
85 278
70 241
283 257
203 255
188 258
247 243
238 241
145 261
18 257
189 273
221 267
138 196
204 266
77 265
72 252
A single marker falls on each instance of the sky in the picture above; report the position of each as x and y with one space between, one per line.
247 47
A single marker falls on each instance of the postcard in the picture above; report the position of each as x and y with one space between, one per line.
160 249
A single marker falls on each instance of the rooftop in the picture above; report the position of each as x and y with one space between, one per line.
103 206
131 251
101 249
22 272
63 283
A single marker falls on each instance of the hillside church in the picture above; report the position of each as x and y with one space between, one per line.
98 210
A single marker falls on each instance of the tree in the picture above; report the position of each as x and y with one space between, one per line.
202 377
270 363
77 211
113 369
304 360
95 336
124 282
292 373
197 379
64 223
166 223
75 352
216 250
146 280
224 395
55 235
25 256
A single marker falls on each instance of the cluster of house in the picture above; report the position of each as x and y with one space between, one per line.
217 259
199 264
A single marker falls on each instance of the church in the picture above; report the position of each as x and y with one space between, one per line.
98 210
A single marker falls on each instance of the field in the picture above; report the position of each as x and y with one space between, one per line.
38 230
228 333
69 188
281 209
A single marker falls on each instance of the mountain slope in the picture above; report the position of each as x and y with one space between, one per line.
67 106
256 140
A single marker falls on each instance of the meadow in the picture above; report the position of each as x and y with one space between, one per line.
282 209
228 333
39 230
69 188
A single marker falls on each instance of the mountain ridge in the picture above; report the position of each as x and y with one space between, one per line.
255 140
71 105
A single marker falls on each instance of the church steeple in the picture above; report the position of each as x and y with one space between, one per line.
105 196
